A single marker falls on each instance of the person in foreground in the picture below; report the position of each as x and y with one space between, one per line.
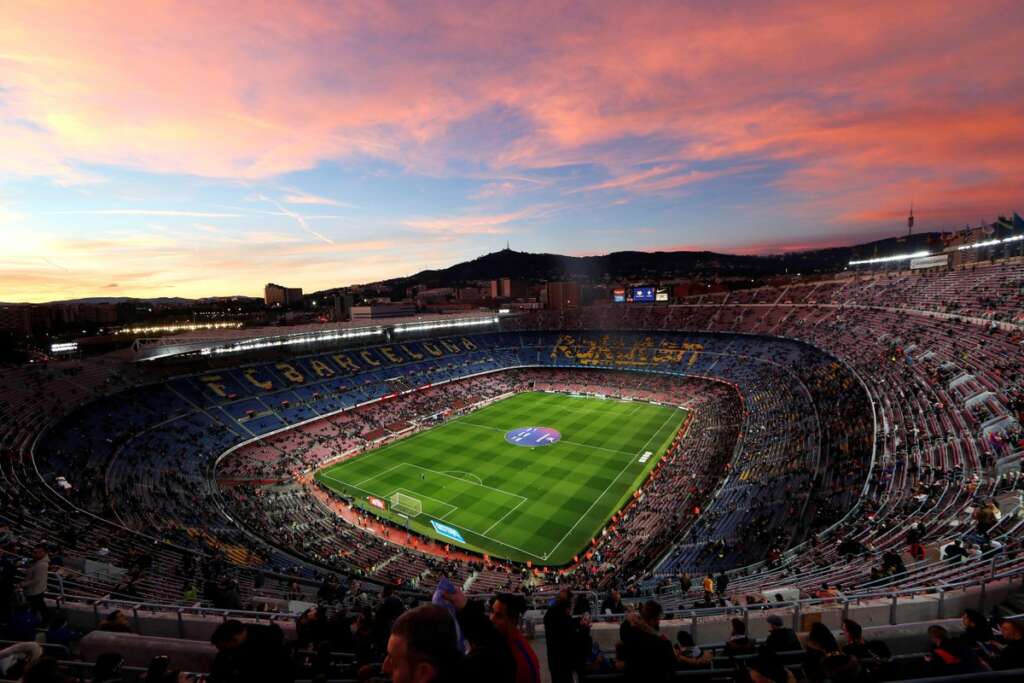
423 647
648 654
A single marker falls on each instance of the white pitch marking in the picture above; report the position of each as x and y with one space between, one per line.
628 463
502 519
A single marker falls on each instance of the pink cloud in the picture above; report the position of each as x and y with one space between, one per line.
213 90
854 108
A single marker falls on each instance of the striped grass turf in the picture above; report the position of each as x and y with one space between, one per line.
541 504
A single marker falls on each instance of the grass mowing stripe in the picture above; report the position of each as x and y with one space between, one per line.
596 500
530 503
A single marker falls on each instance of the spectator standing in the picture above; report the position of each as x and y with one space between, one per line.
709 588
489 657
506 612
560 634
389 609
34 583
722 584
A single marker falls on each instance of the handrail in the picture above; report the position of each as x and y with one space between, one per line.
838 602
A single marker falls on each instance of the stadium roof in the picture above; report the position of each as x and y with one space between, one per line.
222 341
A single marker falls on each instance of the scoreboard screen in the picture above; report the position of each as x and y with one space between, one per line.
643 295
619 295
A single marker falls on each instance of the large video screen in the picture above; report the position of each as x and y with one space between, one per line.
643 295
619 295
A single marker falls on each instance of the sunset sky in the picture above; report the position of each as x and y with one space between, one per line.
198 149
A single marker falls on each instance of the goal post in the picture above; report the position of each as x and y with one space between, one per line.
406 504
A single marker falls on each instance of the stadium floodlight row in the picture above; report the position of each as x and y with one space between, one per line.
920 371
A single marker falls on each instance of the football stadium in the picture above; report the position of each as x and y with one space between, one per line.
618 343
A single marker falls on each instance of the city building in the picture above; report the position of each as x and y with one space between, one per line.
282 297
395 309
507 288
562 295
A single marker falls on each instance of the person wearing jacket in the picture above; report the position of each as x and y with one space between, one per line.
560 634
780 638
422 648
1012 654
489 657
648 655
34 583
506 611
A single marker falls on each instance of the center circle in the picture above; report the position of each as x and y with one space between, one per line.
531 437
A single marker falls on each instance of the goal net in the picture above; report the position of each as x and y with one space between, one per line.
406 504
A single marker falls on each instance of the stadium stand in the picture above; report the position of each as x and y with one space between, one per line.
854 453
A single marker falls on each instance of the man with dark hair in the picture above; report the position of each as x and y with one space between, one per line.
954 552
506 612
780 638
1012 654
855 645
738 643
489 656
423 647
647 653
560 632
115 622
613 603
388 610
950 657
250 652
722 584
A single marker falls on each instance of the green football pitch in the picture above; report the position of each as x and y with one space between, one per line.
538 503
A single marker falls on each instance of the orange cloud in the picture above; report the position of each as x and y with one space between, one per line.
849 110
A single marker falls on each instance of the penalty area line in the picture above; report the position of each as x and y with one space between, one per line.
461 526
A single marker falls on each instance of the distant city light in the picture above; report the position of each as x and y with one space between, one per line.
179 327
416 327
290 341
991 243
66 347
884 259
